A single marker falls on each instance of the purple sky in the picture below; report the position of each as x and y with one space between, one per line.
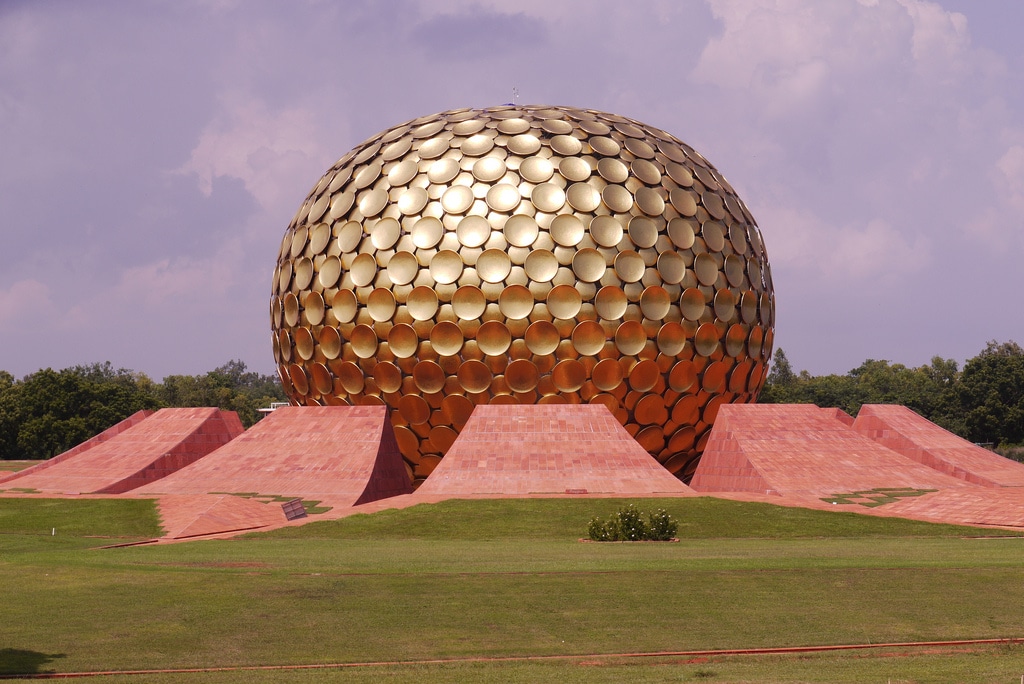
153 153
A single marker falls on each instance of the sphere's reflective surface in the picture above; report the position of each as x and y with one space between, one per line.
525 254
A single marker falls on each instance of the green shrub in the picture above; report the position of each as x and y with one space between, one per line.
629 525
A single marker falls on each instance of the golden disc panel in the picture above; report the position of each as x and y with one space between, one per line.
606 231
588 338
428 376
422 303
330 342
515 302
521 376
489 169
564 301
629 266
330 271
583 197
503 197
493 265
414 409
381 304
493 338
446 266
589 265
536 170
446 338
542 338
541 266
344 305
388 377
568 375
403 268
469 302
474 376
303 343
607 375
548 197
403 341
655 303
481 256
610 302
630 338
644 376
567 230
520 230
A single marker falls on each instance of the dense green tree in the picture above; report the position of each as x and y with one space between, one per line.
990 393
230 387
51 411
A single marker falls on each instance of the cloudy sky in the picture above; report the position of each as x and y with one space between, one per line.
153 153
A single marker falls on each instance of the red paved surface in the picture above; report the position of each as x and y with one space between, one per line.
799 449
184 516
902 430
546 449
146 451
104 436
340 455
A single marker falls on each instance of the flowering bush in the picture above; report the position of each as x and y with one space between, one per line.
629 525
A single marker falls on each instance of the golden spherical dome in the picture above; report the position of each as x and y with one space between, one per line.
525 254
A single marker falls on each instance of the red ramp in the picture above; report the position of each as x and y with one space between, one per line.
146 451
106 435
339 455
519 450
799 449
921 440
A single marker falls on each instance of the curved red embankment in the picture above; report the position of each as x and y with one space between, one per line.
106 435
921 440
799 449
339 455
145 451
547 449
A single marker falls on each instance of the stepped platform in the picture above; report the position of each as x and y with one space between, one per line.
139 450
338 455
920 440
554 450
802 450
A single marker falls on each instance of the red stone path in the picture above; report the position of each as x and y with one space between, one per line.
921 440
185 516
546 449
339 455
142 452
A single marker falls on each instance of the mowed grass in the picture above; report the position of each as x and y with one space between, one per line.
509 578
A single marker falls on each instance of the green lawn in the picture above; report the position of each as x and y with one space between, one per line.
508 578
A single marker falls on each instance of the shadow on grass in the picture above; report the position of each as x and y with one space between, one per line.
16 661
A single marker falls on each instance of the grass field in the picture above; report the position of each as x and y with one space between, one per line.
508 579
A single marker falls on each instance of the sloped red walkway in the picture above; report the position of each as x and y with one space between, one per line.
104 436
186 516
340 455
921 440
799 449
546 449
145 451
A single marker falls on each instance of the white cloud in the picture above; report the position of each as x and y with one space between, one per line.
267 149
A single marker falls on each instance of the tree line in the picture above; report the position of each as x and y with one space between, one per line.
983 402
48 412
